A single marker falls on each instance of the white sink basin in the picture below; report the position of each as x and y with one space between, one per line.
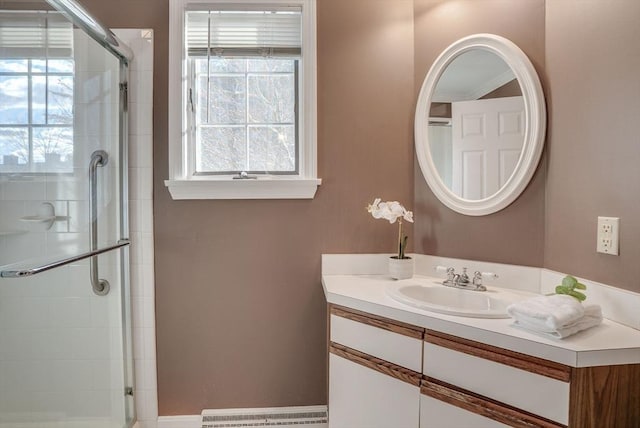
453 301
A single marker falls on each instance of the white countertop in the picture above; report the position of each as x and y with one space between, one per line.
607 344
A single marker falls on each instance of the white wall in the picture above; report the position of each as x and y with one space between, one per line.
141 222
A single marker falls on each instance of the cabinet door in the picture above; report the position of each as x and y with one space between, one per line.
438 414
533 385
360 397
447 406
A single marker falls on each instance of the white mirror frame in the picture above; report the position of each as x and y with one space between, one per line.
535 125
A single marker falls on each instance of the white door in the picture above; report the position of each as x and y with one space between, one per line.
487 141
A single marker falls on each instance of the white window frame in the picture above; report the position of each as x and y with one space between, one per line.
182 184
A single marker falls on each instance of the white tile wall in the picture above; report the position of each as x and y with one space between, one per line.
141 222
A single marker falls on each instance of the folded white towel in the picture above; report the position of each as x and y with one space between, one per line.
592 317
547 312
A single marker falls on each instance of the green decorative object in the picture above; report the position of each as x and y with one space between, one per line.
569 286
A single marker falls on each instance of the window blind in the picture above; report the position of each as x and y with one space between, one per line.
35 34
227 32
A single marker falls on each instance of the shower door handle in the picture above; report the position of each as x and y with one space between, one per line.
98 158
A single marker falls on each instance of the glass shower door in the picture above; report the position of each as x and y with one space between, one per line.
65 346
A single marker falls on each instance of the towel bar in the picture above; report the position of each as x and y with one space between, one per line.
45 267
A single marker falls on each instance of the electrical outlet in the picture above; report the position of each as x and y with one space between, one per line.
608 235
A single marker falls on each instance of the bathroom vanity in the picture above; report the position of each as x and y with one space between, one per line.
393 365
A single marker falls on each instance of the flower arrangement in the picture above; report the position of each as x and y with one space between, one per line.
392 211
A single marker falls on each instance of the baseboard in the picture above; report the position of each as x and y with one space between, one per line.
284 417
280 417
188 421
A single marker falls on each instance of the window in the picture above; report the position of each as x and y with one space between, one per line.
36 93
36 115
244 112
242 124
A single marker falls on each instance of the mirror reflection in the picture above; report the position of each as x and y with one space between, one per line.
36 90
476 124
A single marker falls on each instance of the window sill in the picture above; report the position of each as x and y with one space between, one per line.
228 188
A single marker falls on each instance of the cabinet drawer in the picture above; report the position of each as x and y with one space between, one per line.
445 406
390 342
499 375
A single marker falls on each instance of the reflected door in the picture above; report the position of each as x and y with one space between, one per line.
487 138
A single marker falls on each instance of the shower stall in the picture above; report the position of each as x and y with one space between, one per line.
65 322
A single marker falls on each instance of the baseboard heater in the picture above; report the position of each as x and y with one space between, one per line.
281 417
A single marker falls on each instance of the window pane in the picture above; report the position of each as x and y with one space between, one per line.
14 100
221 65
271 98
14 65
53 147
272 148
221 149
58 106
271 65
52 66
38 66
14 146
227 102
39 99
60 100
60 66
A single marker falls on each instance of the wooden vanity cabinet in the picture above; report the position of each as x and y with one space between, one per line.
384 373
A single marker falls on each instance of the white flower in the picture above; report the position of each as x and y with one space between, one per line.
374 208
390 211
408 216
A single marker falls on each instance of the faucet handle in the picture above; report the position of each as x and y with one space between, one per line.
478 276
448 270
489 275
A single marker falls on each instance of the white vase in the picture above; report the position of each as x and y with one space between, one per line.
400 268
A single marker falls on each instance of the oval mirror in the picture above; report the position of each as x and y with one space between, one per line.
480 124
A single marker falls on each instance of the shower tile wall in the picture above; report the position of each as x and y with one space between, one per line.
60 344
141 222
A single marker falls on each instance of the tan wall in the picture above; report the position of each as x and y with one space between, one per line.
515 234
511 89
240 308
593 58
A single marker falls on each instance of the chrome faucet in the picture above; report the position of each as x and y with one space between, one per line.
461 280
